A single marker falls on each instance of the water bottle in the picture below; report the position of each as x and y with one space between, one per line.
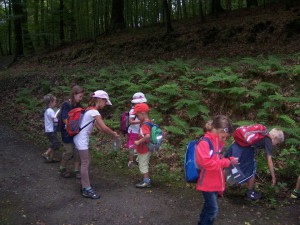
116 144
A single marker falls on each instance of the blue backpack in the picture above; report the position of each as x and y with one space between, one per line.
191 169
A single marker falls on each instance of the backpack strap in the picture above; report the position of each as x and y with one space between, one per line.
149 124
211 147
87 109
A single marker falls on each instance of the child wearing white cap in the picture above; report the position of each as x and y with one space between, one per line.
133 129
98 100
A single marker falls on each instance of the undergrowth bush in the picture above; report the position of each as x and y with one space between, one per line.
183 95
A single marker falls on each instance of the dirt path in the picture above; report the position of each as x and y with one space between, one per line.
32 192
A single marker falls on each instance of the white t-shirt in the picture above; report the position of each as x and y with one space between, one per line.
134 128
49 115
82 139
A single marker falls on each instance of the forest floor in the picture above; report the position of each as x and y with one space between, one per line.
33 192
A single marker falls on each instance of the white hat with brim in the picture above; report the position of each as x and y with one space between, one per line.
102 94
139 97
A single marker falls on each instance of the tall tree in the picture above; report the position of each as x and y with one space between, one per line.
117 15
17 12
251 3
28 45
61 21
167 16
8 12
216 7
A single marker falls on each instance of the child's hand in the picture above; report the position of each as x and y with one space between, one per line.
116 135
234 160
136 142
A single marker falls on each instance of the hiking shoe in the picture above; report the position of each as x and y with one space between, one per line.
45 156
90 193
252 195
295 194
77 174
143 185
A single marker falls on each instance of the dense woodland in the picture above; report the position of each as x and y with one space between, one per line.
29 26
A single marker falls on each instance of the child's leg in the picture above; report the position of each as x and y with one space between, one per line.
251 183
298 184
144 168
67 155
76 159
84 169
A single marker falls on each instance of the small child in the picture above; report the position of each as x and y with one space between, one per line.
246 157
141 110
49 120
211 178
296 191
133 129
98 100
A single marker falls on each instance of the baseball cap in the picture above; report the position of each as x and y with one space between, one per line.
139 97
102 94
141 107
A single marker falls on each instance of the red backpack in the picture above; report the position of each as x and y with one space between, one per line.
249 135
74 119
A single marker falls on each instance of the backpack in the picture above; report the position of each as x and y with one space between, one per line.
60 123
249 135
191 169
156 137
124 122
74 119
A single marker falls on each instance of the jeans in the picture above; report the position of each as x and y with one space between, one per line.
210 208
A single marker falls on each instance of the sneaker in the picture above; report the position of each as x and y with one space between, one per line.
90 193
252 195
143 185
295 194
45 156
77 174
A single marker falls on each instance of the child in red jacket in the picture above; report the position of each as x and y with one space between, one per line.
211 179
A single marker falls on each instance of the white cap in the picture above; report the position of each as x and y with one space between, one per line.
102 94
139 97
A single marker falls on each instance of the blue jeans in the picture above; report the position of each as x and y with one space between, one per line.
210 208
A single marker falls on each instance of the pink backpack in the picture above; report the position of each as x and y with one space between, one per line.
249 135
124 122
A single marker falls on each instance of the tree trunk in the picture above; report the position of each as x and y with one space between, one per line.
8 13
61 21
168 16
117 15
251 3
36 23
17 12
216 7
28 45
201 11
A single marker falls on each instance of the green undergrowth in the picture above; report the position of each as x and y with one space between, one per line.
182 96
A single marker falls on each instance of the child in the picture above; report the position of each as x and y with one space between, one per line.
246 157
49 119
211 179
134 127
141 110
98 100
296 191
70 152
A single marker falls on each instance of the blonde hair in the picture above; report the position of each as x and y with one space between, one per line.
277 134
92 101
208 126
49 98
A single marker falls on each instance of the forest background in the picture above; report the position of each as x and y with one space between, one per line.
192 58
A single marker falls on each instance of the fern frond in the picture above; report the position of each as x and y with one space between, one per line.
169 88
176 120
263 86
174 130
288 121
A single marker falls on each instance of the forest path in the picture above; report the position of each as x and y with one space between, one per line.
32 192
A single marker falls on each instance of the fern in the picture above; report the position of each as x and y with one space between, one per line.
174 130
169 89
176 120
264 86
288 121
